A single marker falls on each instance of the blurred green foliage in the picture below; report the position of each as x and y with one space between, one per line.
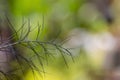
66 13
60 17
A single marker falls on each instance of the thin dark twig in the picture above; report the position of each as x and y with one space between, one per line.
11 26
38 32
62 55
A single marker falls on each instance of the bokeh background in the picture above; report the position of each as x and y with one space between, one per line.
89 29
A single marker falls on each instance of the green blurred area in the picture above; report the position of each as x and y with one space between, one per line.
59 18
